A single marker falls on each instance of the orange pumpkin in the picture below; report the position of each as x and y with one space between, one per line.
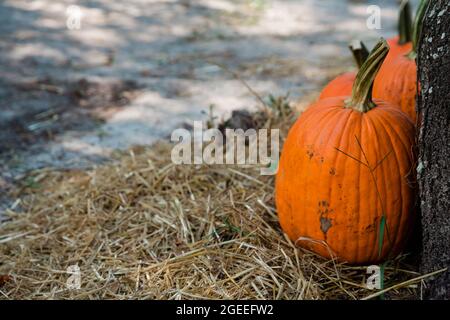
342 187
342 84
396 81
401 44
398 49
339 86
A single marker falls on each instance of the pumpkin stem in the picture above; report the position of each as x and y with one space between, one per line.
417 29
359 51
405 23
361 99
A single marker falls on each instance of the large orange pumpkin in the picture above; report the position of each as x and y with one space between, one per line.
396 81
342 187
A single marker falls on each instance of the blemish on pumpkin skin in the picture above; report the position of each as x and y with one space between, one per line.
325 224
333 171
323 203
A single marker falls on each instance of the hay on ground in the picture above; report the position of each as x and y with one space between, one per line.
142 227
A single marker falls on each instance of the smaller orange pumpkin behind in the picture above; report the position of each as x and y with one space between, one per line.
342 84
399 45
402 43
398 48
396 81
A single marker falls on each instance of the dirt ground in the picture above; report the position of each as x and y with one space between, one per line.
135 70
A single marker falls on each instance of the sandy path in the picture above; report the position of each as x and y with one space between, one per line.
155 64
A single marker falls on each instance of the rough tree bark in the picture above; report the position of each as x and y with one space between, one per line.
434 146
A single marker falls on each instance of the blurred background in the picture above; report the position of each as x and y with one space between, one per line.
80 79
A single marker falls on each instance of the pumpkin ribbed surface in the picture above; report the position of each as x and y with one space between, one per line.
342 175
339 86
397 49
396 82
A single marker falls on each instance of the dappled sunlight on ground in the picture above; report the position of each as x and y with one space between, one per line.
177 56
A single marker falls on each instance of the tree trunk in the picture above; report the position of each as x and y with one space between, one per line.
434 146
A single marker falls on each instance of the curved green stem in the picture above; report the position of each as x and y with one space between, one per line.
417 29
361 99
359 51
405 23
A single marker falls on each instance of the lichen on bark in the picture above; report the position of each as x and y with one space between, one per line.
434 146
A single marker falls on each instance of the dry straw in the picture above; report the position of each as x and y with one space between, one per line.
144 228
